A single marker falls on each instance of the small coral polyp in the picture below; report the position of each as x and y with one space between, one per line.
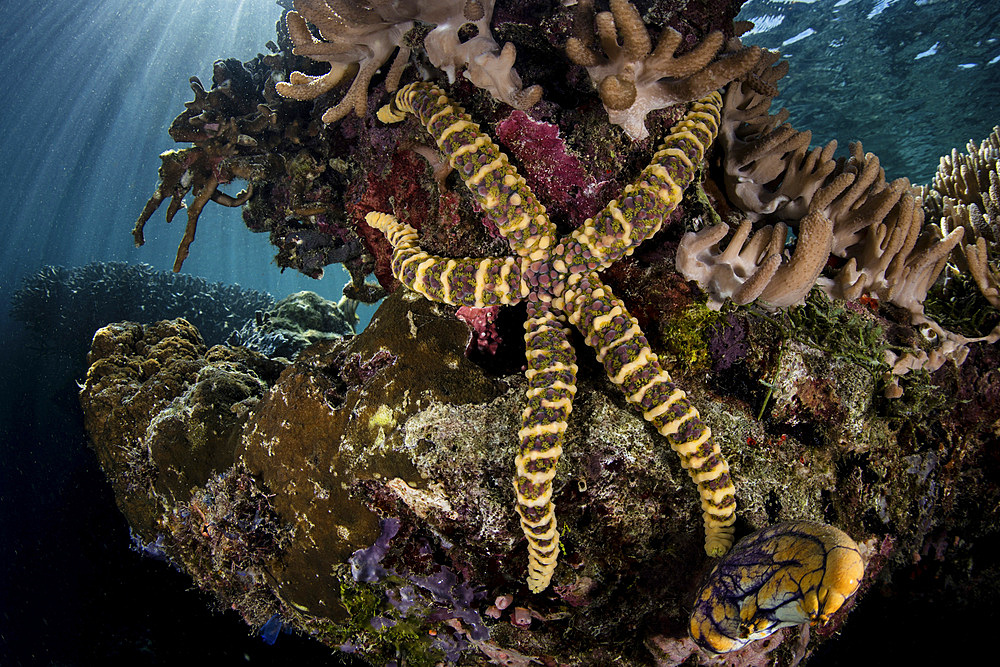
558 279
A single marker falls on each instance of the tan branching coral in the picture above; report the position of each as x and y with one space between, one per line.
965 194
760 147
633 78
361 47
850 213
841 208
359 38
229 126
758 268
854 234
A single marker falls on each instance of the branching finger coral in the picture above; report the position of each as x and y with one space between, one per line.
359 38
965 194
772 175
633 78
222 123
853 233
181 172
355 38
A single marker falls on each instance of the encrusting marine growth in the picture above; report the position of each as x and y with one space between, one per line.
558 279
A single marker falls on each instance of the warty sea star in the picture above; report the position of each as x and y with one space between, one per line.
558 279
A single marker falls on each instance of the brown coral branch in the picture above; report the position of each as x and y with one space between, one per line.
242 197
634 79
359 38
965 193
194 211
171 172
793 280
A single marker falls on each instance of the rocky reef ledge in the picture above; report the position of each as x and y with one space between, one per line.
361 494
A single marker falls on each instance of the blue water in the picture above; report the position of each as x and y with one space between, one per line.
911 79
90 88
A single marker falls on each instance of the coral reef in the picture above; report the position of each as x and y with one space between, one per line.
557 278
76 302
633 78
389 429
309 182
376 465
295 323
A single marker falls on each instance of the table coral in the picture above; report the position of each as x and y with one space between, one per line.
557 277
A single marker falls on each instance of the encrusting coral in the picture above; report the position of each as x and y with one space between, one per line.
633 78
358 38
557 278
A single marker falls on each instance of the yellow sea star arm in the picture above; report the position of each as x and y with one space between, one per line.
496 185
465 281
622 225
551 378
622 348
